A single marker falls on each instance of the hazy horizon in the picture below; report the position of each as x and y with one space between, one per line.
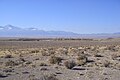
78 16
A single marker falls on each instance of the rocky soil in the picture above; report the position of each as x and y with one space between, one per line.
97 60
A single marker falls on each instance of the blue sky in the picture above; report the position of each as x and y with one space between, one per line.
80 16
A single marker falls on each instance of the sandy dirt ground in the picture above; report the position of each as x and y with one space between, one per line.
60 60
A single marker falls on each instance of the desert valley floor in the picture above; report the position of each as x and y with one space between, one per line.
97 59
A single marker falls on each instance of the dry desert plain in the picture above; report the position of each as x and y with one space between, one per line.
95 59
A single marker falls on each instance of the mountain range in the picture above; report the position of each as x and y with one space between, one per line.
13 31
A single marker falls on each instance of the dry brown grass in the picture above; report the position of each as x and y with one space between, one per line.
69 64
24 58
81 60
55 60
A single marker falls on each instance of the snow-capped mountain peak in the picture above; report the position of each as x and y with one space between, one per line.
1 28
13 31
10 27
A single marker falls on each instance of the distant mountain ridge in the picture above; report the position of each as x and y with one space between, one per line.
13 31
